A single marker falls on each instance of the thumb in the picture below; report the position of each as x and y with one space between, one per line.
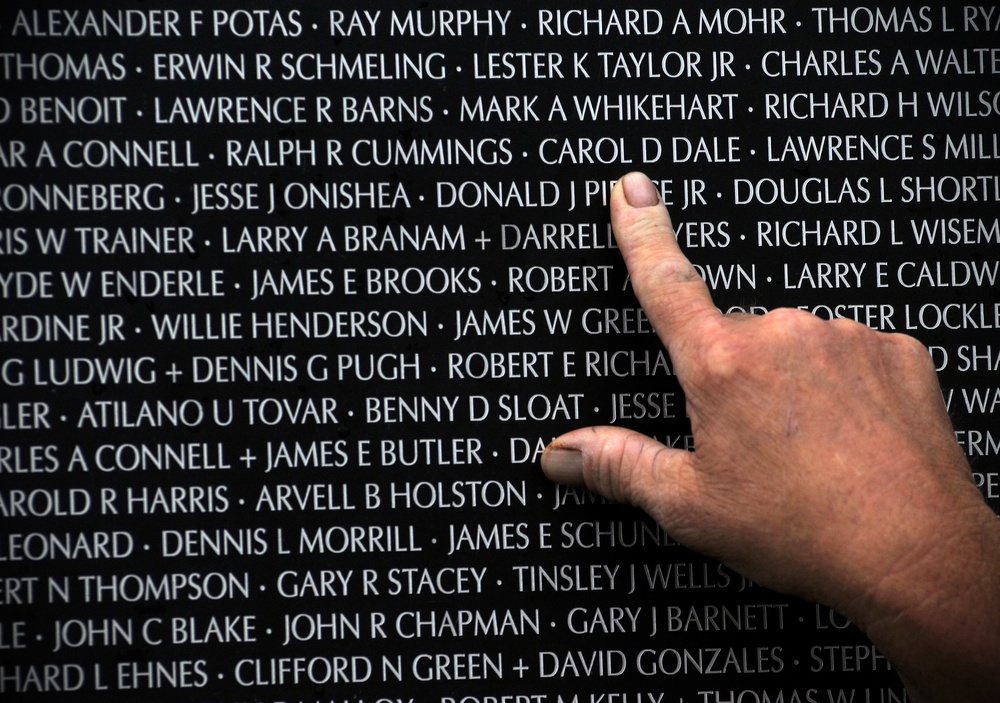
627 467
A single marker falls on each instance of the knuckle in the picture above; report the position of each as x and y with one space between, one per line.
849 328
614 472
909 345
718 360
722 359
793 323
912 350
789 317
791 327
663 271
646 226
676 270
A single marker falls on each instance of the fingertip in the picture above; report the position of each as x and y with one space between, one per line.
622 465
637 208
638 190
564 466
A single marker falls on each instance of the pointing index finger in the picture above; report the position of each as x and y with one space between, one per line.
670 290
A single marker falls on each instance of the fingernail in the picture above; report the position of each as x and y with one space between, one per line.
639 190
563 466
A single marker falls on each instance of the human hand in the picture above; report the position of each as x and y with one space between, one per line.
825 464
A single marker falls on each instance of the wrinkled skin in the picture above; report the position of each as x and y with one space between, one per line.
825 467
